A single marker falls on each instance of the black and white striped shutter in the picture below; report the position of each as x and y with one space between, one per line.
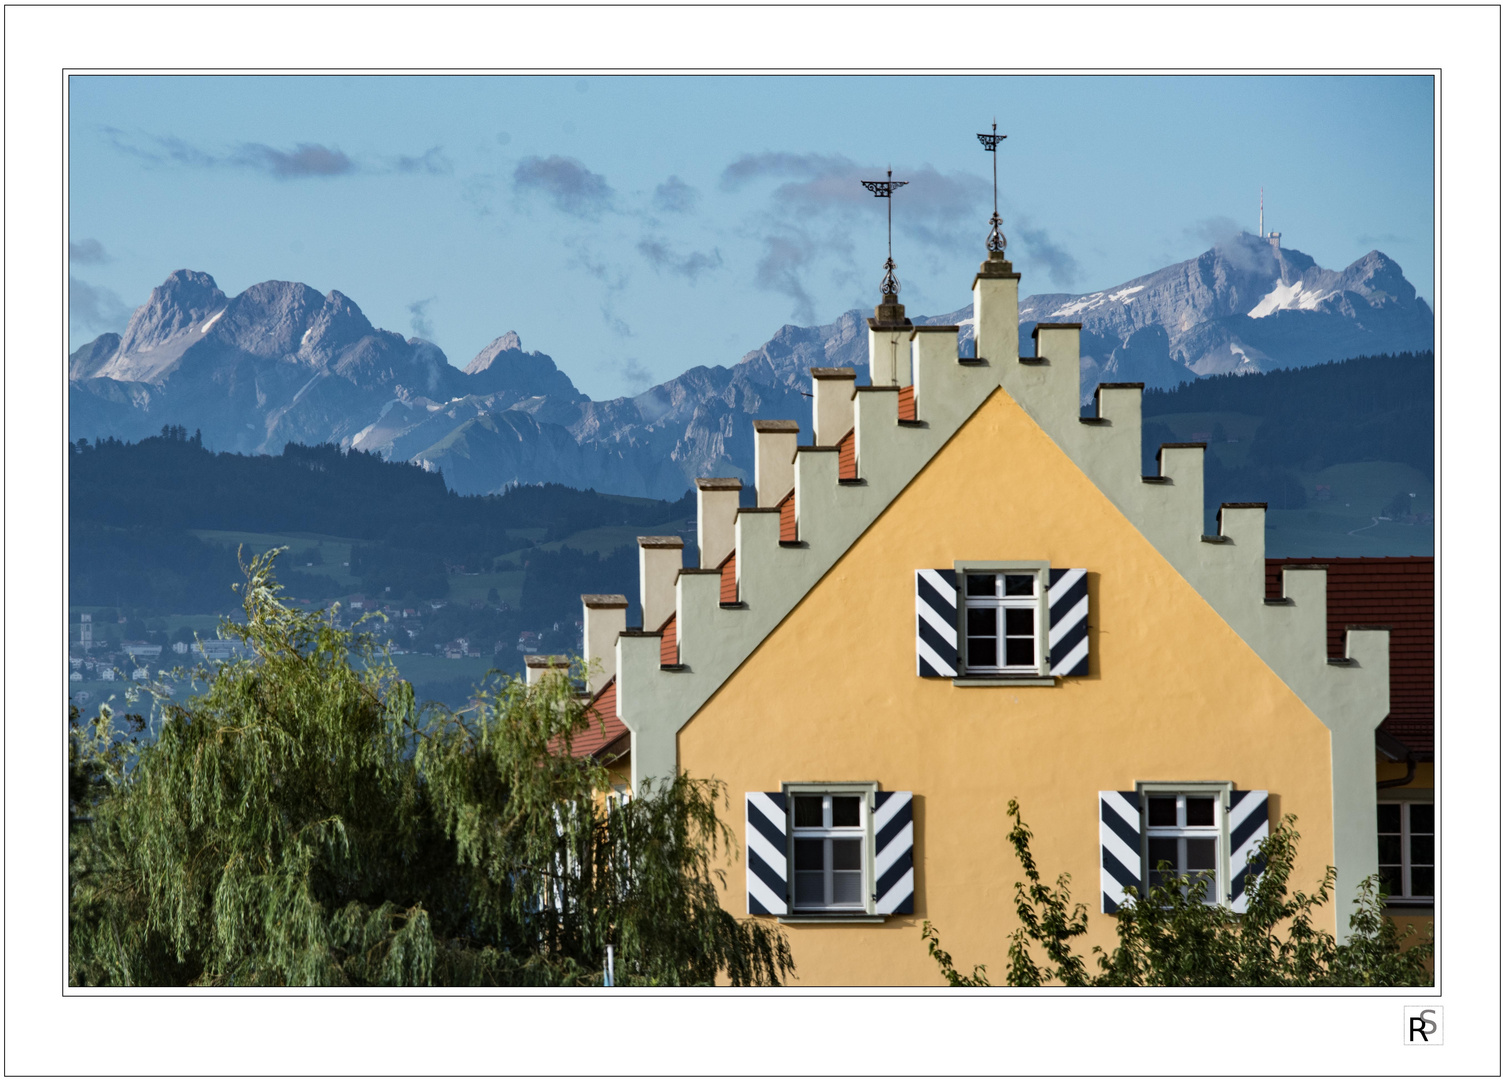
1248 823
1121 848
766 853
893 825
935 623
1069 645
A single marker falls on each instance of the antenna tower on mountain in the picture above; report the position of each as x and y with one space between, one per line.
883 189
995 241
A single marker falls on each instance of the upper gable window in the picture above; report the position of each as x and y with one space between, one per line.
1001 620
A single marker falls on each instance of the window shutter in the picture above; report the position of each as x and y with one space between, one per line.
893 824
1121 848
935 635
1248 823
1069 645
766 853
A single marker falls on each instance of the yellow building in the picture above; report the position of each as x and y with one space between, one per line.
961 591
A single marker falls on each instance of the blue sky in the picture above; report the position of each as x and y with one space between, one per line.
635 226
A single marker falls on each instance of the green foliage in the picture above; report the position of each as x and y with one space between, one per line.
1174 938
305 822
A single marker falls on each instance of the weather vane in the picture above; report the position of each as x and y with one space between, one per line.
995 241
883 189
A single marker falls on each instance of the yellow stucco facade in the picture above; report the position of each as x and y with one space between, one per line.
1173 695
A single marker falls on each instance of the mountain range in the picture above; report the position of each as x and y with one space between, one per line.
281 362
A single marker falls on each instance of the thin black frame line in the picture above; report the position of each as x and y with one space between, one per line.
84 992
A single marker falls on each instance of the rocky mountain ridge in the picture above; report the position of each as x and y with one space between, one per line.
283 363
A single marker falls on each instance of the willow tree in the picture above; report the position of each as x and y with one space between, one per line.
305 821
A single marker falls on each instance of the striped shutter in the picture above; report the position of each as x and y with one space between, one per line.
1069 646
935 622
1121 848
766 853
894 863
1248 823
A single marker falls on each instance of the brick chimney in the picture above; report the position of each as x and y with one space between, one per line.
604 619
660 560
719 499
834 404
776 443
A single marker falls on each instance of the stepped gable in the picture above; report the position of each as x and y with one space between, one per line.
922 391
1397 592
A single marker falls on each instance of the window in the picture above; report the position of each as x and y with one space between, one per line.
1406 850
1184 831
829 851
1001 623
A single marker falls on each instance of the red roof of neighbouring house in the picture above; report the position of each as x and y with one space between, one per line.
1398 593
604 728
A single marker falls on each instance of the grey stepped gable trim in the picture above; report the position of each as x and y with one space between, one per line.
772 578
1350 698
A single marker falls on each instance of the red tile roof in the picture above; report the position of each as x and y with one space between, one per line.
906 408
787 519
728 579
1394 592
847 448
604 728
668 649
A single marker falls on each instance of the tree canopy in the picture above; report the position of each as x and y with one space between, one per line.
305 821
1172 937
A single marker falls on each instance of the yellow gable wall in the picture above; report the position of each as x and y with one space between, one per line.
832 695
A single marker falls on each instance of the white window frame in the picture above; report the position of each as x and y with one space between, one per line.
1221 792
1406 864
865 832
1039 602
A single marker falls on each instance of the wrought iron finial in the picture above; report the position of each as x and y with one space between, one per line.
995 241
883 189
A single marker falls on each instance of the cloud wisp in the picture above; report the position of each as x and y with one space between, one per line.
566 182
663 259
673 196
817 202
86 252
305 160
422 326
1059 264
93 309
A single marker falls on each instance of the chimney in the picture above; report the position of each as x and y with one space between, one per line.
719 499
887 345
604 619
661 558
834 403
777 442
538 667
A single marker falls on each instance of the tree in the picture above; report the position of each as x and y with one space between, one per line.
303 821
1174 938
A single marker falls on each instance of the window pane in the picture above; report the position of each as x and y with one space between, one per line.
1163 849
981 584
1421 817
809 889
1200 854
1200 811
846 854
809 854
1422 849
1018 585
1161 811
808 811
1020 621
1019 652
845 812
847 887
1388 817
1390 850
1422 881
981 621
1209 877
981 652
1389 876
